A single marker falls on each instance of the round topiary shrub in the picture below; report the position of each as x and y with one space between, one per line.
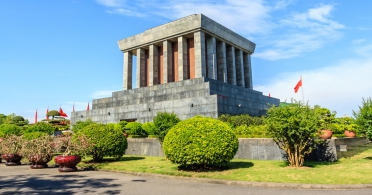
201 142
149 128
107 140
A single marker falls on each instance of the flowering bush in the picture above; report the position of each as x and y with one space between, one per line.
38 149
74 145
11 144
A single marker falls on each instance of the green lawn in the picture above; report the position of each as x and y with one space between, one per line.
354 170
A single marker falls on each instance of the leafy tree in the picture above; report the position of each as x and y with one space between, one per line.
2 118
364 117
19 120
53 113
81 124
163 121
293 128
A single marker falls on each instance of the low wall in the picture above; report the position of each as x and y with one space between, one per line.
263 148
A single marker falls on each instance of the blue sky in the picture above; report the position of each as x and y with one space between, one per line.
57 53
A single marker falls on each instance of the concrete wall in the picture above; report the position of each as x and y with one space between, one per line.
260 148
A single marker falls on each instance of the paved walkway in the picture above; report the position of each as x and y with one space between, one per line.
23 180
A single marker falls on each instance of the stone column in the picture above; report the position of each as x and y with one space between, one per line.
199 45
154 65
221 66
247 71
212 58
239 68
230 60
182 59
141 69
167 56
127 70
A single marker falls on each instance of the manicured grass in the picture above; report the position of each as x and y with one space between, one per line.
354 170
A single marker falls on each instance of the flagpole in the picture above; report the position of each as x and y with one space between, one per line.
302 89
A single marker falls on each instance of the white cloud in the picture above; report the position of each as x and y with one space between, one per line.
110 3
305 32
102 94
339 87
358 41
364 51
127 12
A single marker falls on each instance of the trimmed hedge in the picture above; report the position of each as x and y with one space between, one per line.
41 127
253 131
149 128
200 141
134 128
107 140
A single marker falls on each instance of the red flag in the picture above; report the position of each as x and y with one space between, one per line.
61 113
73 107
299 84
36 116
88 106
47 117
269 94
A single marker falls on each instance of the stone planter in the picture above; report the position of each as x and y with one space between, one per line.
39 161
67 163
12 159
350 133
325 134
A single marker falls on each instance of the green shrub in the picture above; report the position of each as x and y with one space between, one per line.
243 119
41 127
107 140
9 129
149 128
200 142
121 125
134 128
34 135
163 121
81 124
253 131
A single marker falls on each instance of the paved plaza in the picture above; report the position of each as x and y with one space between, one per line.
23 180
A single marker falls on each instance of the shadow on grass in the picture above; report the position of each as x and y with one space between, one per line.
214 168
368 158
310 164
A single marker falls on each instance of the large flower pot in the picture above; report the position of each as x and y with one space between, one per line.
12 159
350 133
39 161
325 134
67 163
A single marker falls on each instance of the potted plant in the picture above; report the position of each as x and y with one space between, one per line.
39 151
325 120
10 149
73 147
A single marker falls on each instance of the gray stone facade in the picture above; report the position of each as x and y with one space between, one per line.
190 66
200 96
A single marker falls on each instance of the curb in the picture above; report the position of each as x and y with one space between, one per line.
249 184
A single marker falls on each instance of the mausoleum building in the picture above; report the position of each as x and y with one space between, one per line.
190 66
